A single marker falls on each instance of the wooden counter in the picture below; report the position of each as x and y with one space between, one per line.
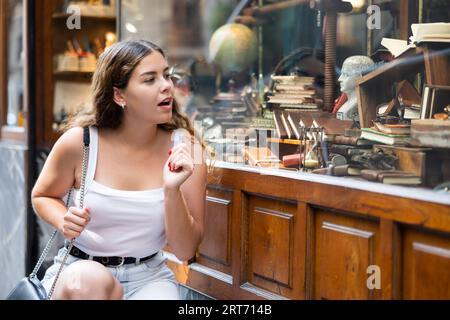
274 234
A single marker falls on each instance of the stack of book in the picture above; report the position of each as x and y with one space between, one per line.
390 134
293 92
350 146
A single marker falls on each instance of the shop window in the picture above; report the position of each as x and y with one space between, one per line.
260 78
12 104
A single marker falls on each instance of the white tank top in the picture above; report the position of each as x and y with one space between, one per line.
123 223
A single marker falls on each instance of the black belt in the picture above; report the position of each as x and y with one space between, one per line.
108 261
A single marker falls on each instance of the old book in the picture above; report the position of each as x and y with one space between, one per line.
346 170
348 150
297 95
288 89
300 106
391 177
286 126
401 179
390 139
430 32
396 46
281 132
354 141
431 133
393 128
295 79
261 157
293 101
339 171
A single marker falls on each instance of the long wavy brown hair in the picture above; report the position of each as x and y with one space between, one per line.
114 69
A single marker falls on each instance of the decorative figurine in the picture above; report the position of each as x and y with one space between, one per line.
346 107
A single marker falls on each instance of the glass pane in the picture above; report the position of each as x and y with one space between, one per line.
82 31
256 77
15 108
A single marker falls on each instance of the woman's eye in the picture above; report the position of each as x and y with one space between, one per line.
149 80
167 75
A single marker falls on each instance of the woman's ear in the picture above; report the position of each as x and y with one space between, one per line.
118 97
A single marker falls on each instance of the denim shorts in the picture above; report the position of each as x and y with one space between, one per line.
148 280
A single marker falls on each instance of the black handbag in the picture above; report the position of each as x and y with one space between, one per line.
28 289
31 288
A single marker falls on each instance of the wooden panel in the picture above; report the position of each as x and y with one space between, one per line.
411 211
331 248
426 271
437 58
276 251
344 248
390 260
271 242
215 248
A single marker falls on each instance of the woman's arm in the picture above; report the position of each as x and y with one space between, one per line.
56 178
185 211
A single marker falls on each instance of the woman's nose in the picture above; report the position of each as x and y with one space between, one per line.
167 84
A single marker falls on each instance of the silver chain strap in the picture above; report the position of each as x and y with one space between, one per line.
52 237
82 188
49 244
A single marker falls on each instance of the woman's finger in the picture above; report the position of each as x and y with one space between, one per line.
183 163
74 227
76 220
82 213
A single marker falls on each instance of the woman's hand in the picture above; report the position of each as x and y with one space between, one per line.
178 167
74 222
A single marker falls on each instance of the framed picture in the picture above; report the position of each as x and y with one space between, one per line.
434 99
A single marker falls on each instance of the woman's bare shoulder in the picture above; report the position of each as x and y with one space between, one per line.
70 144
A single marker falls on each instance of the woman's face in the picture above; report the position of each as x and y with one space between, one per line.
148 95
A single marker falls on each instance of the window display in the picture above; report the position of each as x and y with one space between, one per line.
309 86
15 115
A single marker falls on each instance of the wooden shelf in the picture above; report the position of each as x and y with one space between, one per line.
94 18
376 87
73 76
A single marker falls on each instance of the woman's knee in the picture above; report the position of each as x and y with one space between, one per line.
87 280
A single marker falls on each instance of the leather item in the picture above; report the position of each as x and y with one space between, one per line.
108 261
28 289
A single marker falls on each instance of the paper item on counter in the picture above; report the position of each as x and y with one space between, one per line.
430 32
396 46
421 32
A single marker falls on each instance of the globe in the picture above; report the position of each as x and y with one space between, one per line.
233 47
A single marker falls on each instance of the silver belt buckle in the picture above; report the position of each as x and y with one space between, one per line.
121 262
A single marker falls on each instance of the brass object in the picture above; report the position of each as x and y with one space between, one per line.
440 116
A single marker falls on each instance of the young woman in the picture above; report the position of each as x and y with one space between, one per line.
141 191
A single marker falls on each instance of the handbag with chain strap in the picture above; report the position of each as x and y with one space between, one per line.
31 288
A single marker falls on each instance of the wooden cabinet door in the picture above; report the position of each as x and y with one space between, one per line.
426 265
344 247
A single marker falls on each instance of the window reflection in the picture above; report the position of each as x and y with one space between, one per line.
15 57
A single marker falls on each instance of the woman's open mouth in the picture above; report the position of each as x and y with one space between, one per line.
166 103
